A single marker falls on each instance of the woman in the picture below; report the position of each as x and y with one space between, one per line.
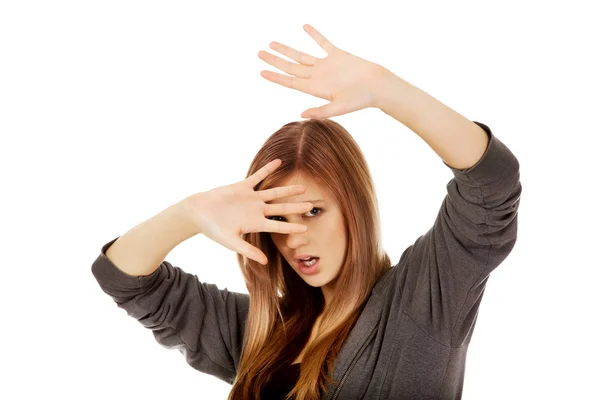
349 326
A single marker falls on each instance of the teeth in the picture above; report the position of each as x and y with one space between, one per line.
310 263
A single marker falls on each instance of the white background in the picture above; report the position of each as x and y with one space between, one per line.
111 111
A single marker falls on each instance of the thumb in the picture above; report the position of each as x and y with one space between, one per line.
247 250
326 111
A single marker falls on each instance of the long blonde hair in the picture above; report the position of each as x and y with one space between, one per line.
283 307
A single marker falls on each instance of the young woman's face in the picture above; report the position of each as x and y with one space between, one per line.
325 238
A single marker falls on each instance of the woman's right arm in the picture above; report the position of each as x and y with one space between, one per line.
140 251
205 323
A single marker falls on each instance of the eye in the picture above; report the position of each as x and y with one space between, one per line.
314 208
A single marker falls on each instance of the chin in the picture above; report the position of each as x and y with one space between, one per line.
315 280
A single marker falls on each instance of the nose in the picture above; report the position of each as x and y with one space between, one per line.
295 240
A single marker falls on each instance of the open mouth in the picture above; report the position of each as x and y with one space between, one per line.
309 267
308 263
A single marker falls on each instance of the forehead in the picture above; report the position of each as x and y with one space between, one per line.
313 190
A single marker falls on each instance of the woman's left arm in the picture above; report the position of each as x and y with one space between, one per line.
351 83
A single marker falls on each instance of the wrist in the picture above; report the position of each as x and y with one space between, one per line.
188 213
391 91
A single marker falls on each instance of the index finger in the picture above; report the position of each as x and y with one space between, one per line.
263 172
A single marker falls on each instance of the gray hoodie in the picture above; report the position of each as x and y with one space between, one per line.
411 340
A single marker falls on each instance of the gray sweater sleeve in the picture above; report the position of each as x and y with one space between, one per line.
447 268
205 323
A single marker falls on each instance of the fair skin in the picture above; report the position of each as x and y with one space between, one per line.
325 238
352 83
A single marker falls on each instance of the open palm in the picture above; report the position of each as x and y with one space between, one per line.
347 81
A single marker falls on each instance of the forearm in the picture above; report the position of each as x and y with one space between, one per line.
143 248
456 140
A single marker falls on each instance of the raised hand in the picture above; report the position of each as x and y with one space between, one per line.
349 82
225 213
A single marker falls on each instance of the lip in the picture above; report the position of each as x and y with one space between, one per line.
297 259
